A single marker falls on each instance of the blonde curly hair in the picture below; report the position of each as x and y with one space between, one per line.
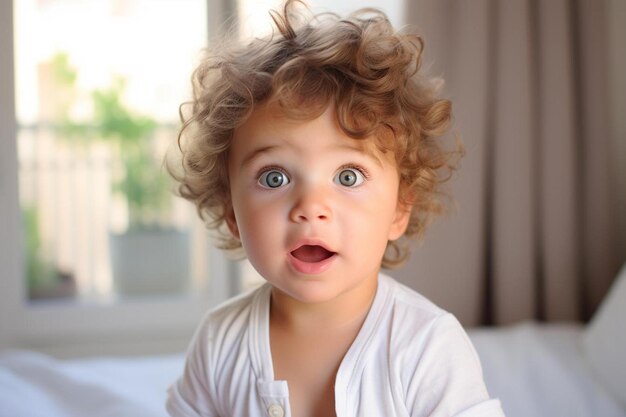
358 64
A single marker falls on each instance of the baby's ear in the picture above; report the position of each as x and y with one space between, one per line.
404 207
231 221
400 222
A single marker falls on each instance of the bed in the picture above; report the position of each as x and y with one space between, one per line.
536 370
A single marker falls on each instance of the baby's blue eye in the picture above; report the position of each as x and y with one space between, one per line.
273 179
349 177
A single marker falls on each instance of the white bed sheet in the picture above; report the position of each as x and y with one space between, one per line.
535 370
34 385
541 371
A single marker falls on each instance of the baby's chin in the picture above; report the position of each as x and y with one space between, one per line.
309 291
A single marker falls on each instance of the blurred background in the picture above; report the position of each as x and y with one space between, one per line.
98 257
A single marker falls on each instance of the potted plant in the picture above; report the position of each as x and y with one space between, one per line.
150 256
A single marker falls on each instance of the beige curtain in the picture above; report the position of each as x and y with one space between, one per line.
534 235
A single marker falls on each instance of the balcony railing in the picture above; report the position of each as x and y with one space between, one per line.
71 209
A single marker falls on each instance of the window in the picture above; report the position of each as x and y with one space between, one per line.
107 260
95 114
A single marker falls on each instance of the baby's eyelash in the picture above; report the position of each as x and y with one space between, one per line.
359 168
269 168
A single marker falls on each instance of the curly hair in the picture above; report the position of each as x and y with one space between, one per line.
358 64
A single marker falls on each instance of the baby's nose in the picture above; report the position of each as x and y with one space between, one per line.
310 206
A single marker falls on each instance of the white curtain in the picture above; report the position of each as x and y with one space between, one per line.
535 234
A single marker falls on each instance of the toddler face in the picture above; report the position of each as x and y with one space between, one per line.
313 208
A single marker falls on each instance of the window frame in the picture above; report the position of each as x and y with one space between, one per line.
75 328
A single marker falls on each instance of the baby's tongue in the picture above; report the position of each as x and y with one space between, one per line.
308 253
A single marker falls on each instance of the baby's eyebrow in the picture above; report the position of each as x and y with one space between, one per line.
365 151
249 158
256 153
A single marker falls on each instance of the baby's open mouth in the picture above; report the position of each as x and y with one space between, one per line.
311 253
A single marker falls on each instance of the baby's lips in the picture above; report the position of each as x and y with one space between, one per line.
312 253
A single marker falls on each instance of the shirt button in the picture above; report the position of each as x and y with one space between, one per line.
276 410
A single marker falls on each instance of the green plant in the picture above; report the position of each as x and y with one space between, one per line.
142 183
40 274
146 189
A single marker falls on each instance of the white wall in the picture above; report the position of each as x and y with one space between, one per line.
393 8
256 20
9 231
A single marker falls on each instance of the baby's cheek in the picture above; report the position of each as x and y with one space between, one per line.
259 233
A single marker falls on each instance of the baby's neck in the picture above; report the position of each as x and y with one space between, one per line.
344 311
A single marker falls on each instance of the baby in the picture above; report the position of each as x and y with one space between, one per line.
316 151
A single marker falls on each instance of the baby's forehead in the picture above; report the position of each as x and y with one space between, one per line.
269 120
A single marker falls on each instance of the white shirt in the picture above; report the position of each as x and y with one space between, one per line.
410 358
